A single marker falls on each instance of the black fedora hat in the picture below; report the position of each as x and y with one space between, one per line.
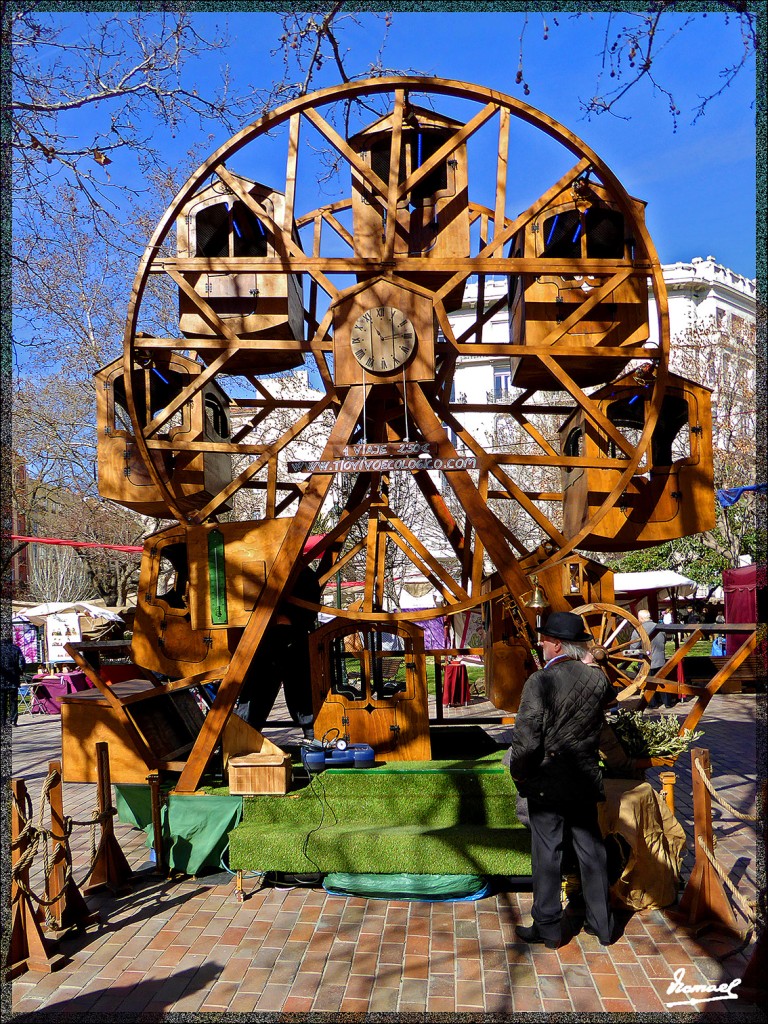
565 626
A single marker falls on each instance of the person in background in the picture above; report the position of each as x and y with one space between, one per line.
283 658
658 656
554 760
718 640
12 668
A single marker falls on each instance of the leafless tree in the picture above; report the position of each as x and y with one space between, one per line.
57 574
81 100
634 40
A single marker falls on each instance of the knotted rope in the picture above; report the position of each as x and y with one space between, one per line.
718 798
749 908
36 837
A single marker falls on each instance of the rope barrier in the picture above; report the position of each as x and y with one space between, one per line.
749 908
710 896
721 800
36 838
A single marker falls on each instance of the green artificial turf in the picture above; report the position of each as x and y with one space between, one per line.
428 817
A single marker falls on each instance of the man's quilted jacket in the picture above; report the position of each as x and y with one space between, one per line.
554 753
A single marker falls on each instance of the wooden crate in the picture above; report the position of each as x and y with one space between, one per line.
258 774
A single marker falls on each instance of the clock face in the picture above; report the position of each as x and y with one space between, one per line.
382 339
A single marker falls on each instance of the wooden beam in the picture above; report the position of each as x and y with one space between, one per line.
378 187
515 491
287 436
271 488
592 409
403 266
338 565
291 171
441 512
500 237
396 143
508 349
282 574
436 568
477 554
485 524
355 614
499 213
437 581
449 146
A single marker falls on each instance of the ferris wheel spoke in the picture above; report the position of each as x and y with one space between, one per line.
622 675
591 408
379 189
512 488
603 629
615 632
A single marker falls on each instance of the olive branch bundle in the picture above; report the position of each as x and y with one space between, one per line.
647 737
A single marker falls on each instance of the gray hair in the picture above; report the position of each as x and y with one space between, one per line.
575 649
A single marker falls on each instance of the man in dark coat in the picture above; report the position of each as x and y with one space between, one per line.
554 762
12 667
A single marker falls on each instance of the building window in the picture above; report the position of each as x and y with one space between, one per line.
501 385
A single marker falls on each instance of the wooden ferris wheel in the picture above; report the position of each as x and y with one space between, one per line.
366 292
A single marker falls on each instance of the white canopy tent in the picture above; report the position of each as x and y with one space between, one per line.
40 612
66 622
662 581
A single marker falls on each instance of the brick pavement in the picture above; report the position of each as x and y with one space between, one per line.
184 945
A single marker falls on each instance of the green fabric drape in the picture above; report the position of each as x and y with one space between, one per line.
195 828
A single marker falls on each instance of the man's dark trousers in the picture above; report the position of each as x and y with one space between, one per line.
548 825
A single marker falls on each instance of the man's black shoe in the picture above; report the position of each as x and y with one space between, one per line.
533 937
591 931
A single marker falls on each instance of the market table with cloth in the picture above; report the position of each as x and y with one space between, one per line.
47 688
455 684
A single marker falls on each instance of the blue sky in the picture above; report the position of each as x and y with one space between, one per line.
698 182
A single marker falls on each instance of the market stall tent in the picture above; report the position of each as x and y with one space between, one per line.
64 622
740 589
655 586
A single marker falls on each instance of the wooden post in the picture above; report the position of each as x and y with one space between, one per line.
754 983
668 780
28 949
70 910
704 901
283 571
110 868
157 822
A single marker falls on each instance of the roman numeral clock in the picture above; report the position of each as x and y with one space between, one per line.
383 333
383 339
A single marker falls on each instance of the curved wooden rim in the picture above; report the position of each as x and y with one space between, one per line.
447 87
409 616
